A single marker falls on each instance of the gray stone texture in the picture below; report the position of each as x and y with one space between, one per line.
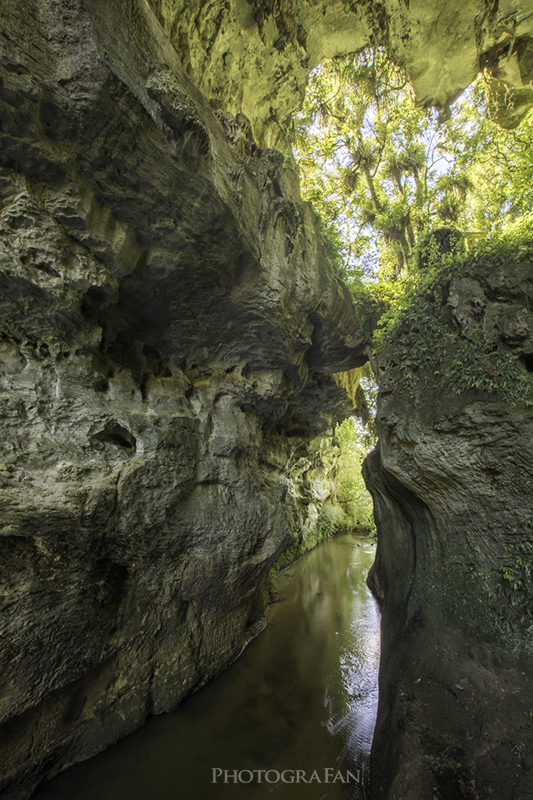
169 326
452 481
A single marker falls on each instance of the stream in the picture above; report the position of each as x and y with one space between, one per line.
295 713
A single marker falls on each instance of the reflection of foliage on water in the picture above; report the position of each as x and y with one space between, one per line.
267 711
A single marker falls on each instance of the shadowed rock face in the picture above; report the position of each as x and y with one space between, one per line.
452 482
169 327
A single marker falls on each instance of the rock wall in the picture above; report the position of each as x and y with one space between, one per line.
452 481
254 57
169 326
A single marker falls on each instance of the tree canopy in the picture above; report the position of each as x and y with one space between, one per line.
395 186
383 172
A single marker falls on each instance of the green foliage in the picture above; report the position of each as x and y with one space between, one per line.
383 172
512 596
496 163
333 246
429 351
409 205
354 443
361 154
396 188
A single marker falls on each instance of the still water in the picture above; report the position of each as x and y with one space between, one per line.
303 696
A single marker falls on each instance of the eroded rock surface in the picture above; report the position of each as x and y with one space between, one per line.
254 57
169 331
169 327
452 482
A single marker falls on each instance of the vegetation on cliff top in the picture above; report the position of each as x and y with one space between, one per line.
409 201
437 347
409 204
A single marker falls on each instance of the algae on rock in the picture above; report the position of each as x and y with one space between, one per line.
169 327
254 57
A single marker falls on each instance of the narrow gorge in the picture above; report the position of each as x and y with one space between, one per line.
175 352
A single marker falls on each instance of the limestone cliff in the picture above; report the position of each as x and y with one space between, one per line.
254 57
452 482
169 326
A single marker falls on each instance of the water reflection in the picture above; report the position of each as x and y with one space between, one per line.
303 696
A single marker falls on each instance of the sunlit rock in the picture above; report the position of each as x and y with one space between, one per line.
254 57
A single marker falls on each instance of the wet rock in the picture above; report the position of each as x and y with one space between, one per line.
169 327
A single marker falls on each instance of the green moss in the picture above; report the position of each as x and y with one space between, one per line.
302 545
352 494
509 590
429 351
